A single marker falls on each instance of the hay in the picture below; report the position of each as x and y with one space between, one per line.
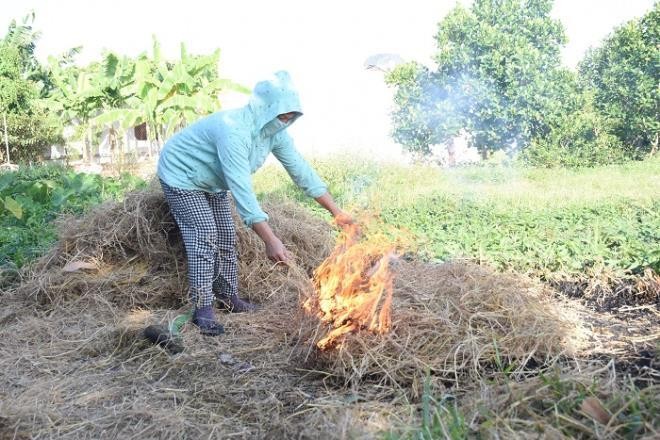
455 322
74 364
587 400
139 258
607 291
82 371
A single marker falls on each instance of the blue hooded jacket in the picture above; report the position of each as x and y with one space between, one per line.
220 151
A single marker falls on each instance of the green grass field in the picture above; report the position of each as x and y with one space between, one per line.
537 221
548 223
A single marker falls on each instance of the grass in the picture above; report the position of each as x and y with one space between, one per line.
595 403
536 221
32 198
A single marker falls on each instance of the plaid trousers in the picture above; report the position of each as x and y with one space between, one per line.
207 227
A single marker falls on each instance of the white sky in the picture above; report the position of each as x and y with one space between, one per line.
322 43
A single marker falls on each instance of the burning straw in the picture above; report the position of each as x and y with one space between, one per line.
455 322
74 366
354 286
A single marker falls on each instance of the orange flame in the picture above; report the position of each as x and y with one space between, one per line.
353 287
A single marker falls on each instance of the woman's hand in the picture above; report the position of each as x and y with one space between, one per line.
343 219
276 251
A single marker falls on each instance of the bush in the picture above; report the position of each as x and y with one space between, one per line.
30 134
582 138
31 198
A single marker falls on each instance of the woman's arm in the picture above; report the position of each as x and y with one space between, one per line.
306 178
341 218
297 167
275 250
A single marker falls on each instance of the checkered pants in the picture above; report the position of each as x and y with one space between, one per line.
210 240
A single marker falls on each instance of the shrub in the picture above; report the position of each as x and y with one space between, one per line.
31 198
30 134
582 138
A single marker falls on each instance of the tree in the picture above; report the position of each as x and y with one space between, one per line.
167 95
580 138
413 121
23 38
26 126
498 76
74 98
623 74
15 92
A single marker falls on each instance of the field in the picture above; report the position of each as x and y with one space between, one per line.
595 226
526 305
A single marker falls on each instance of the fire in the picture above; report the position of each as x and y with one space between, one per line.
353 287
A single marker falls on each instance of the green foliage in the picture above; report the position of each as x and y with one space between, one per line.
31 198
531 220
23 38
118 90
165 95
498 77
29 128
581 138
16 93
75 95
624 74
29 134
616 235
413 126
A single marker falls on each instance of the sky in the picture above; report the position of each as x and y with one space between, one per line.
323 44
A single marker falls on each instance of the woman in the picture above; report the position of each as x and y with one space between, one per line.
217 154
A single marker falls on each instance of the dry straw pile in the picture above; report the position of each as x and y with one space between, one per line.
458 323
131 253
74 364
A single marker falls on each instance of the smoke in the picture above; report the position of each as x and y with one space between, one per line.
459 108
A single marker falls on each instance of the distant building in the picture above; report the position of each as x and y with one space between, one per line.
133 141
455 152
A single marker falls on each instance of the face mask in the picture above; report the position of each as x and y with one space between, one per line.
273 127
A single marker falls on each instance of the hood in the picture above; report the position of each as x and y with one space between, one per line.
273 97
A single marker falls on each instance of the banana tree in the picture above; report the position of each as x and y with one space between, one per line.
166 95
115 79
75 98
